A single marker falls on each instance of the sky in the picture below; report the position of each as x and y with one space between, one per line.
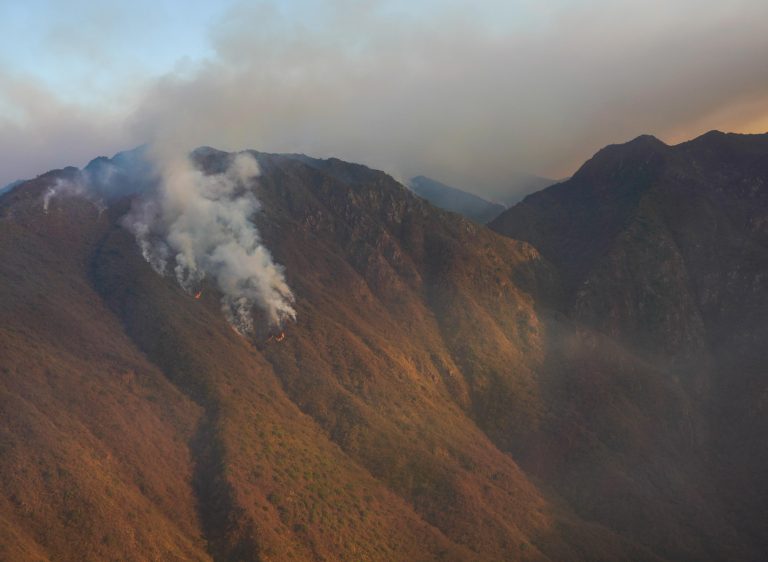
473 94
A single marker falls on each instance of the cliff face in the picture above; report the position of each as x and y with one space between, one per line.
446 392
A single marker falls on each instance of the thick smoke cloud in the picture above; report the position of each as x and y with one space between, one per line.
200 226
469 93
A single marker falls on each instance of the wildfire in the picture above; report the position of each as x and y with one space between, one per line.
198 295
276 337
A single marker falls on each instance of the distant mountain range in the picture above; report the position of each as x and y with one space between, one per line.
473 206
455 200
584 379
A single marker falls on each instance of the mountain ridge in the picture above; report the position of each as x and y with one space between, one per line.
680 276
438 398
455 200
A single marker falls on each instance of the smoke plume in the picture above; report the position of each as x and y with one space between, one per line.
199 226
193 225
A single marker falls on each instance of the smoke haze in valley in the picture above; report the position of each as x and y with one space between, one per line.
468 95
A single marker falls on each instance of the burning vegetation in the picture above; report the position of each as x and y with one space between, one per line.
276 337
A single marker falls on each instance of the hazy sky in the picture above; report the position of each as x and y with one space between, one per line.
471 93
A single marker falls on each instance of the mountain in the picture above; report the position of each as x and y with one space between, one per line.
455 200
676 233
447 392
664 249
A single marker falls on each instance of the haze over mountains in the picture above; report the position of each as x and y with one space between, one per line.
584 379
455 200
471 205
465 92
517 186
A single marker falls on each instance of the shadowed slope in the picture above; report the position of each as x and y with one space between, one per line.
663 248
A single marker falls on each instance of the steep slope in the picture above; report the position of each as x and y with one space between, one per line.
94 439
353 438
665 250
437 397
685 207
455 200
556 396
663 247
156 433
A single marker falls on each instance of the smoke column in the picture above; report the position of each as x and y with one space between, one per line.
199 226
192 224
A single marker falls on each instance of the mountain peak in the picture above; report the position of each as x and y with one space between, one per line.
643 144
646 140
611 164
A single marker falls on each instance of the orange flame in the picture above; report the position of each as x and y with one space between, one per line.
198 295
276 337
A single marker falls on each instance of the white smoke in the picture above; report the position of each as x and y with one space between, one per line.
70 188
193 224
49 194
200 226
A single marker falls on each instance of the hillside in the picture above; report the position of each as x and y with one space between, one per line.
446 393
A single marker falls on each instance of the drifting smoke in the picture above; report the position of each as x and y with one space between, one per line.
103 180
200 226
